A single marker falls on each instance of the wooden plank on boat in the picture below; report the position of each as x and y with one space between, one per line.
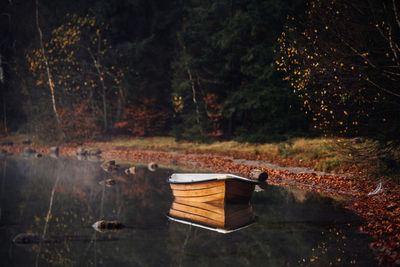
215 207
239 190
209 187
218 197
200 192
200 185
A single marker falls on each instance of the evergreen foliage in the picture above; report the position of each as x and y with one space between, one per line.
227 47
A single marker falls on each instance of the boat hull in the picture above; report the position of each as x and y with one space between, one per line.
230 190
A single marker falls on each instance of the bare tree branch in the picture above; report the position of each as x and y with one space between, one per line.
382 88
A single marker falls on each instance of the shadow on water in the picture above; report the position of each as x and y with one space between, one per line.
56 202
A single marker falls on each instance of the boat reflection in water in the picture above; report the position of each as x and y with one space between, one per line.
222 217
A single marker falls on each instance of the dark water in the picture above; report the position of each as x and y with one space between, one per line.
59 200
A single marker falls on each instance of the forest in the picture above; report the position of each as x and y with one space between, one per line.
305 90
246 70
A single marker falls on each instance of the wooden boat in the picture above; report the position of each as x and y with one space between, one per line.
218 216
211 187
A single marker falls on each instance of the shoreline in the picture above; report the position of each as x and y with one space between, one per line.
380 211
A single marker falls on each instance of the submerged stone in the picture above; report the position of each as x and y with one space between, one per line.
81 152
104 226
108 182
27 238
152 166
109 166
28 150
26 142
54 150
7 143
130 170
94 151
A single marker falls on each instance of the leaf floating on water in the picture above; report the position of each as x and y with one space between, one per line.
377 190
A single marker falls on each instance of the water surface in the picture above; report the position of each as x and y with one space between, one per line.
59 199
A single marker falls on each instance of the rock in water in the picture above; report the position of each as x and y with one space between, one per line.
152 166
28 151
81 152
94 151
130 170
108 182
109 166
7 143
26 142
27 238
104 226
54 150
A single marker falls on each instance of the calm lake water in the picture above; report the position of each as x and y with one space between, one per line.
58 200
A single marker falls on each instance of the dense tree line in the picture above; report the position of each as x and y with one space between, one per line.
254 70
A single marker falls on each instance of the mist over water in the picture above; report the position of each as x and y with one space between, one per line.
58 200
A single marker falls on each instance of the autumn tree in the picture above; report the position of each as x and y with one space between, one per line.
342 59
143 118
83 70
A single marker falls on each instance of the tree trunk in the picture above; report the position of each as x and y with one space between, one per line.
4 98
5 114
194 96
103 86
51 84
121 105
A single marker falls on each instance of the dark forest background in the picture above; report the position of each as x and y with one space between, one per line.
250 70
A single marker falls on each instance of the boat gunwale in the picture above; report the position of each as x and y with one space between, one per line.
204 180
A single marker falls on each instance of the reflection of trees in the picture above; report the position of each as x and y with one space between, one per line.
144 188
289 227
3 180
78 200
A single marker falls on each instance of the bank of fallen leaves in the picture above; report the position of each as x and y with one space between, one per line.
381 211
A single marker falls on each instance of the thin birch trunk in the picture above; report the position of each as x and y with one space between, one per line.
103 86
4 98
51 84
194 96
5 115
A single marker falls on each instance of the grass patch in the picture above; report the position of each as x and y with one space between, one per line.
322 154
307 149
168 143
330 164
